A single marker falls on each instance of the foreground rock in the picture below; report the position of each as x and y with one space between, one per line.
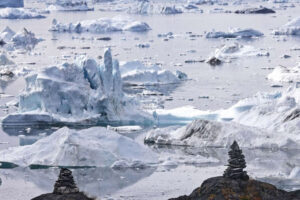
261 10
64 189
236 185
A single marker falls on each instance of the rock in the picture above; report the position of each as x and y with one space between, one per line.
261 10
64 189
214 61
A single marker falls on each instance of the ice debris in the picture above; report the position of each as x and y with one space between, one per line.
285 74
291 28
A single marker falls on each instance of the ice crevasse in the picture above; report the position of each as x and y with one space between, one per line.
81 93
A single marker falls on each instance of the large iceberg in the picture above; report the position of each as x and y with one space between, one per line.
291 28
84 92
20 40
11 3
135 72
285 74
235 33
93 147
19 13
102 25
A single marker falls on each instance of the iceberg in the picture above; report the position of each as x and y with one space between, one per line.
19 13
235 33
93 147
235 50
70 5
81 93
11 3
171 10
102 25
136 73
291 28
285 74
205 133
21 40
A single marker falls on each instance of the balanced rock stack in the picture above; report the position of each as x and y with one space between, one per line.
65 183
236 163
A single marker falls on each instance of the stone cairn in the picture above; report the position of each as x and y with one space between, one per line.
236 163
65 183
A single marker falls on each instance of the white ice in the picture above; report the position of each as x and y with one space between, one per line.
11 3
19 13
235 33
285 74
95 146
291 28
102 25
70 5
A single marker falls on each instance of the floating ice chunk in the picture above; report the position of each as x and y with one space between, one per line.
4 60
7 34
205 133
285 74
70 5
235 33
11 3
171 10
136 72
89 147
235 50
25 40
19 13
103 25
83 92
291 28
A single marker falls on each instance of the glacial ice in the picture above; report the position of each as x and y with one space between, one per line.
83 92
95 146
70 5
11 3
135 72
20 40
171 10
285 74
19 13
235 33
102 25
236 50
291 28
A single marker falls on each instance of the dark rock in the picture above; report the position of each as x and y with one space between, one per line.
214 61
236 163
261 10
64 189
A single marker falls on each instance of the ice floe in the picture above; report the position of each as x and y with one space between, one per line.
291 28
83 92
135 72
11 3
95 146
20 40
171 10
70 5
285 74
102 25
236 50
19 13
235 33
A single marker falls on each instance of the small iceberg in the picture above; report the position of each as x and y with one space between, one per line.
285 74
11 3
291 28
70 5
235 33
171 10
93 147
102 25
80 93
19 13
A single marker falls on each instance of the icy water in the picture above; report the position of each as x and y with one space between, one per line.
223 85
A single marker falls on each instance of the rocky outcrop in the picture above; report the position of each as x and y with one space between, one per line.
261 10
236 185
64 189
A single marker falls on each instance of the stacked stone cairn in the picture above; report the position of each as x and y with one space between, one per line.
236 164
65 183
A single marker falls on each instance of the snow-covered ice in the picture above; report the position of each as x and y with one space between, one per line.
70 5
11 3
135 72
285 74
171 10
83 92
95 146
235 33
102 25
19 13
291 28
